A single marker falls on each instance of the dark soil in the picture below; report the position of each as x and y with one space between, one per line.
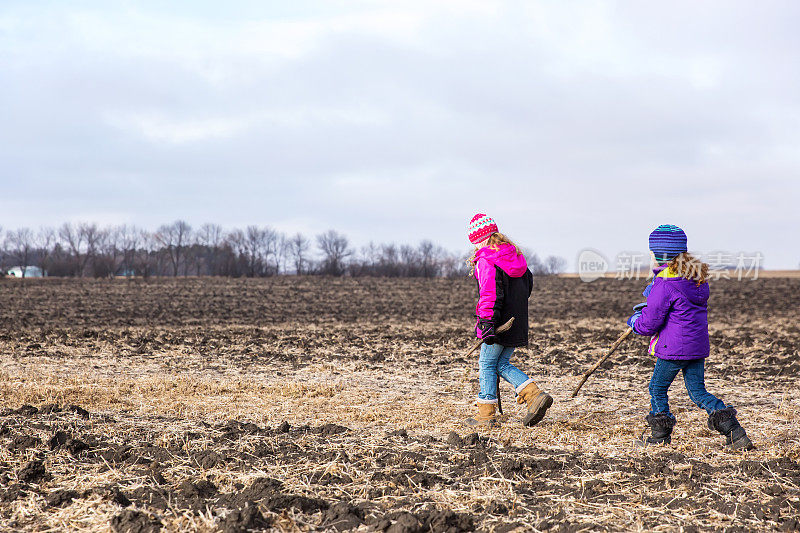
242 321
539 475
392 483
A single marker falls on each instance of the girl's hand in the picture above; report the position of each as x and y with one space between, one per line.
633 318
485 331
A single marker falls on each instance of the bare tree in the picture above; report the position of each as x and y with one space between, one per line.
21 242
389 261
335 251
111 248
146 260
254 237
73 239
431 258
211 237
82 249
46 239
297 247
555 265
536 266
131 238
452 266
174 238
370 256
410 261
550 266
260 245
270 249
238 243
193 256
81 241
281 252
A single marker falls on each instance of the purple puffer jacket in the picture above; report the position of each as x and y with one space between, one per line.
676 316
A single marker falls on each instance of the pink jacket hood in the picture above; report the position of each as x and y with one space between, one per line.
506 258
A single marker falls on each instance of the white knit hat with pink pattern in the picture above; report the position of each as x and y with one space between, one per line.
481 227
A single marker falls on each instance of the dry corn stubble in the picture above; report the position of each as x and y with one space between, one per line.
292 404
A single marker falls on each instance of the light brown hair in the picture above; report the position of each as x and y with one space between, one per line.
688 266
495 240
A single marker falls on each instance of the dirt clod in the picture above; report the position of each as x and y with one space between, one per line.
131 521
198 489
62 497
57 440
78 410
32 472
27 410
23 442
12 493
111 493
305 504
208 459
245 519
260 489
343 516
453 439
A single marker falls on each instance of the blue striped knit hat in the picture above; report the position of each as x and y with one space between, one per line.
666 242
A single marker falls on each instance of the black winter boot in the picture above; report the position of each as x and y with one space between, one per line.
660 428
724 421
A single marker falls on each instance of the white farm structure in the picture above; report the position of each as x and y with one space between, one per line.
30 272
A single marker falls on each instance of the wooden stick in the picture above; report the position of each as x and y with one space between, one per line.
502 329
602 360
499 401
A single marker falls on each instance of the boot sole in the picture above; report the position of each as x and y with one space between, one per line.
471 422
535 416
642 442
740 444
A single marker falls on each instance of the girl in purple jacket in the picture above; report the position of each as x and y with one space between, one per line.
504 286
676 316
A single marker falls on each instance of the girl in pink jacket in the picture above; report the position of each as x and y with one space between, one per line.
504 286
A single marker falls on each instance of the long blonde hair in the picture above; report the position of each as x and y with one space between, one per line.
688 266
495 240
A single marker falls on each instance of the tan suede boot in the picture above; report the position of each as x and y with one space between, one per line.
538 403
486 416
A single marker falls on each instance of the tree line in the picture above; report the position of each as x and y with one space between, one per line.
86 249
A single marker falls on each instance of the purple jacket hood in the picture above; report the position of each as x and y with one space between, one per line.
505 257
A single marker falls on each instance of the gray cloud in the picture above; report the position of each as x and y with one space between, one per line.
573 125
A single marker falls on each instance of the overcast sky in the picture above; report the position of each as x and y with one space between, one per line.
573 124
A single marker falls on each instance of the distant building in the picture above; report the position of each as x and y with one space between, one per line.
30 272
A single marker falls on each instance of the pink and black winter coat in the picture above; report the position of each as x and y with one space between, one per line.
504 286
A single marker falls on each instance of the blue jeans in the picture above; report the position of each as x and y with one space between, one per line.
496 359
694 379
